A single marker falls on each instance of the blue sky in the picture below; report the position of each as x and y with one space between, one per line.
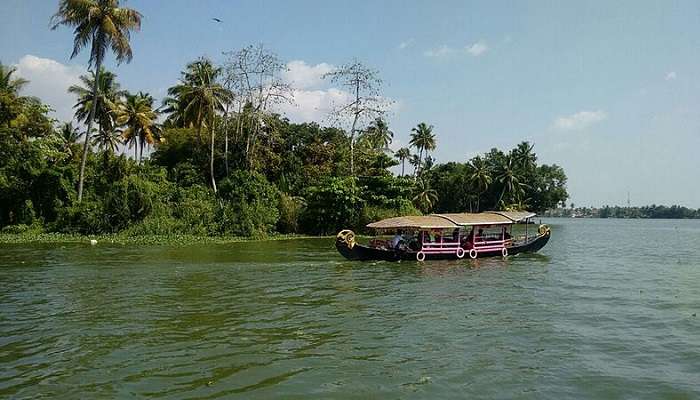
608 90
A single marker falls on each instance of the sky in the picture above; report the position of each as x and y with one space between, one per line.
610 91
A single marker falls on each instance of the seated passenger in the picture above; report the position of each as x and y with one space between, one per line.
398 238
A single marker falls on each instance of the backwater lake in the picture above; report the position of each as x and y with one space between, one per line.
608 309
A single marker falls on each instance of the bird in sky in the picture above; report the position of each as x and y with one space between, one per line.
217 20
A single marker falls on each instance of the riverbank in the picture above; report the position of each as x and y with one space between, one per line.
43 237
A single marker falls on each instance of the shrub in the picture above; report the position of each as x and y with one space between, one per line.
331 206
249 205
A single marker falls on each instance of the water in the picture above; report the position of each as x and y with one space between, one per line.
608 309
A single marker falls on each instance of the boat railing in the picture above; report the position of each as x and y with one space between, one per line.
440 247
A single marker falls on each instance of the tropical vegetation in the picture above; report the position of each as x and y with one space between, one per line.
214 158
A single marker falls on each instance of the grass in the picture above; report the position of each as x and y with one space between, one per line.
43 237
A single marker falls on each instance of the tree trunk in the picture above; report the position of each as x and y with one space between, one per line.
211 154
91 118
143 143
136 151
226 139
403 165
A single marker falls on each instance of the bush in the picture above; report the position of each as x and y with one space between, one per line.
249 205
290 209
332 206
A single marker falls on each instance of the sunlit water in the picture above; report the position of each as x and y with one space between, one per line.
608 309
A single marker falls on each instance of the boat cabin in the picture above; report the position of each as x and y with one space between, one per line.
452 234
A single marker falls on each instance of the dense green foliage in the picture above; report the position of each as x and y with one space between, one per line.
273 176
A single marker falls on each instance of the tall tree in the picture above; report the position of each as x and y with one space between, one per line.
139 118
402 154
480 176
200 97
426 197
102 25
106 99
10 102
511 180
8 83
254 75
423 139
366 103
378 135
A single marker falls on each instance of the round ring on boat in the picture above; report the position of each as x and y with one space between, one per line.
346 236
460 252
504 252
420 256
543 229
472 253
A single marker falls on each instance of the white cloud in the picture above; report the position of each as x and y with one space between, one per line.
49 80
441 51
313 105
301 75
313 100
477 48
671 76
406 44
579 120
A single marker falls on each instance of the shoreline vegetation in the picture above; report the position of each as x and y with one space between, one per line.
121 239
645 212
214 158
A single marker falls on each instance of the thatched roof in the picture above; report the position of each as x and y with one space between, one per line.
414 222
447 221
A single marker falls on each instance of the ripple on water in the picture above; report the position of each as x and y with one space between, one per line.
595 315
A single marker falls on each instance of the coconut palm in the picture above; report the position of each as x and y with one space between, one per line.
108 140
524 157
8 83
378 135
102 25
511 179
200 96
402 154
480 176
10 101
425 197
69 136
107 99
139 120
423 139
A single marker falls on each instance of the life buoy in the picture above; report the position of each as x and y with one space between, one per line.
473 253
543 230
504 252
420 256
460 252
346 236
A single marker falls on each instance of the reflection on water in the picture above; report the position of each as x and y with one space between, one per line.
608 309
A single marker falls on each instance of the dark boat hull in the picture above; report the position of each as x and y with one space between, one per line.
365 253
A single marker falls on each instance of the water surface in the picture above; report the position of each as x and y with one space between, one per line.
608 309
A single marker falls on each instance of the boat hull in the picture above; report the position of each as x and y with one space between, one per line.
360 252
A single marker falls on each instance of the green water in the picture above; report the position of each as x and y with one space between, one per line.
606 310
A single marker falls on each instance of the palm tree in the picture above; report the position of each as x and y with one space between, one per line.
10 102
69 136
402 154
103 25
139 118
108 140
107 98
199 96
378 135
423 139
425 197
479 176
511 180
524 157
9 84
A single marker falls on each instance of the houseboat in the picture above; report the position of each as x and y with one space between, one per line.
447 236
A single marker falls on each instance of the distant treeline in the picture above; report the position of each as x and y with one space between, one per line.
652 211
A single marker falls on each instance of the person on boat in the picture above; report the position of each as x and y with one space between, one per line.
398 238
506 235
479 236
